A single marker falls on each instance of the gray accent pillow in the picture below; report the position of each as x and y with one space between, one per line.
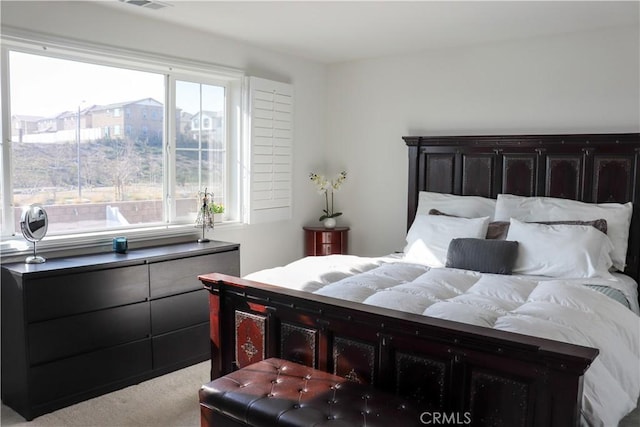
484 256
498 229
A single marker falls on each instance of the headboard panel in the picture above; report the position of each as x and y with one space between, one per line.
595 168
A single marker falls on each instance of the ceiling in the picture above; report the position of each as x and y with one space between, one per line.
337 31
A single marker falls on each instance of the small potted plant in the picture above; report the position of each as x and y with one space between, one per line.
324 186
217 209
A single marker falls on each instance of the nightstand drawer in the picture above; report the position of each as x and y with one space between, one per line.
330 249
325 241
327 237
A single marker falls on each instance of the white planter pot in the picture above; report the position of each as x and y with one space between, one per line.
329 223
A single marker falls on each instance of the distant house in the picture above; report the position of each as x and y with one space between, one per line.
207 125
52 124
22 125
137 120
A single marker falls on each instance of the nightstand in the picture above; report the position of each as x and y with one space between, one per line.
325 241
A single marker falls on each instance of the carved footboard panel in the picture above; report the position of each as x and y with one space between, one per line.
484 376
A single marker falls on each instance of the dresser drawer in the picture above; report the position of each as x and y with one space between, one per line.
179 311
182 347
181 275
56 296
91 370
82 333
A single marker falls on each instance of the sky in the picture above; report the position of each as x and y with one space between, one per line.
44 86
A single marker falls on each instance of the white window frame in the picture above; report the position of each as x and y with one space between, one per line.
172 68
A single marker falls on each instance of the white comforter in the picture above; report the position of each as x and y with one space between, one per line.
562 310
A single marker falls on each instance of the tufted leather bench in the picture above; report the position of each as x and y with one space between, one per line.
276 392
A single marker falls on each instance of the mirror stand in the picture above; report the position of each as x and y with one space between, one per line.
34 224
35 258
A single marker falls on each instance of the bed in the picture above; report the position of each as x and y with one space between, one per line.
503 349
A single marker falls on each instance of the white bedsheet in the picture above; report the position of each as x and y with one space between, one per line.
562 310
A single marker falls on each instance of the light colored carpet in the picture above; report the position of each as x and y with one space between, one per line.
167 401
633 419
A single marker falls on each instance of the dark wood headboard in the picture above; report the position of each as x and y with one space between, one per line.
596 168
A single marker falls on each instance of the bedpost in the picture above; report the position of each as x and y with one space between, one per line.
634 244
413 145
214 329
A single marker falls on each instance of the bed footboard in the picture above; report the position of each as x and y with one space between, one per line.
462 372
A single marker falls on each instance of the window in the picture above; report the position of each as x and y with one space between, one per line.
88 174
201 154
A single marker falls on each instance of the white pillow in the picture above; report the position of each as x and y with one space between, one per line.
429 237
451 204
562 251
618 217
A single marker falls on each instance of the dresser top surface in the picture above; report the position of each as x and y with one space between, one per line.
132 257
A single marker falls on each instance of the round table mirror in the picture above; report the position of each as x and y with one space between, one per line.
34 224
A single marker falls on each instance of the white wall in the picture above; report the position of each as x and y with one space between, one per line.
576 83
352 116
261 245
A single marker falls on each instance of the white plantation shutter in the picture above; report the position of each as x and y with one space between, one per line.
271 112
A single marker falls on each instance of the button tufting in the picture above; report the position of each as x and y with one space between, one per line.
333 407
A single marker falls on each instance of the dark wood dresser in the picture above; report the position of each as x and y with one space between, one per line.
325 241
74 328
